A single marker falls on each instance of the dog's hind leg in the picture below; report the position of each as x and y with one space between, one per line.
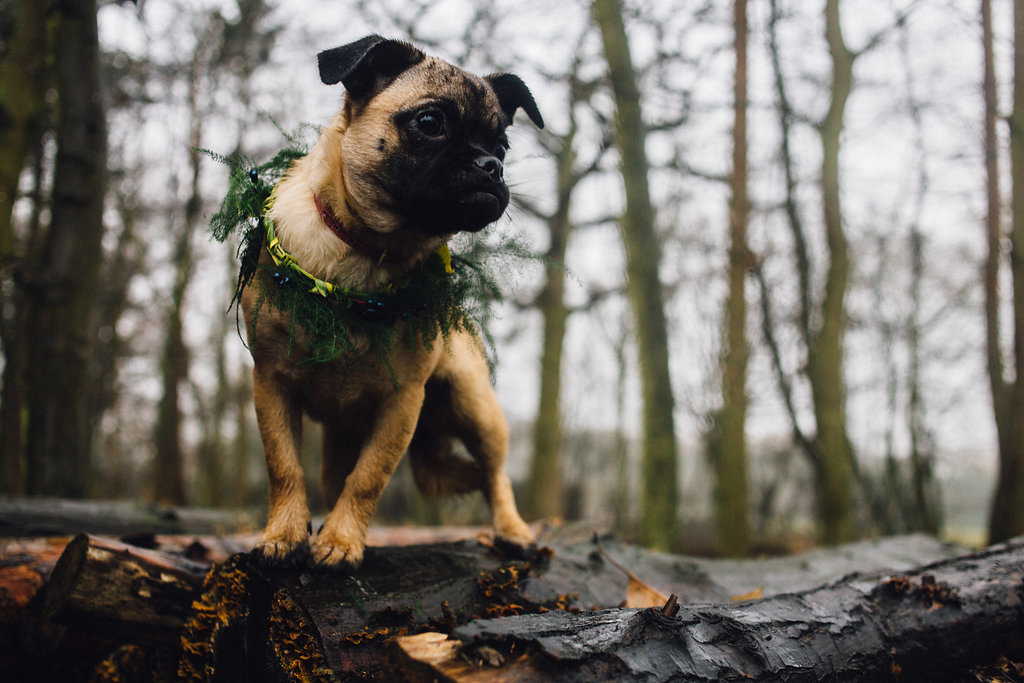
285 539
341 445
481 425
437 471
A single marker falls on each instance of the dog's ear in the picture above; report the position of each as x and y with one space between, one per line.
512 94
367 66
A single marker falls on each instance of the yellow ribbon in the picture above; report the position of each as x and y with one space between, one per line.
321 287
446 257
283 258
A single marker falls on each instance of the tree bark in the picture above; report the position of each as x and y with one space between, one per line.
168 473
835 471
993 226
59 433
23 82
729 451
110 609
923 626
101 580
808 442
794 219
1007 514
545 492
924 509
659 487
27 517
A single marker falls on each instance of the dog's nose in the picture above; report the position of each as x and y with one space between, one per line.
491 166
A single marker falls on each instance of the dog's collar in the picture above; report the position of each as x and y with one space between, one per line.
362 248
325 288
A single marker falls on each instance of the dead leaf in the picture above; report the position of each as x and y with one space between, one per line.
638 592
755 594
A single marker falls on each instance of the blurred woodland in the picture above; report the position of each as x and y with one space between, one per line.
793 303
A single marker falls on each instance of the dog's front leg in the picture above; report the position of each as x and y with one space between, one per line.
341 541
285 539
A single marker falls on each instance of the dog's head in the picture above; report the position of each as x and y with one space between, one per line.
424 141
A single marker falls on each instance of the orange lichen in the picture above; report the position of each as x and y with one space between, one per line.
222 603
295 647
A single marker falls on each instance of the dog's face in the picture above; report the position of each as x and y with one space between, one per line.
425 141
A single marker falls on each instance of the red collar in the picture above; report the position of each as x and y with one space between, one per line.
332 222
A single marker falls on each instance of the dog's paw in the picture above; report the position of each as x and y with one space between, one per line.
281 554
335 557
516 548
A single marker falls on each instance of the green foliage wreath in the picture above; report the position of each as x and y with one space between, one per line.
437 297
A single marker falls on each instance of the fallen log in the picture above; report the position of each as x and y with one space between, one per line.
38 517
101 595
924 625
25 564
101 580
344 623
115 612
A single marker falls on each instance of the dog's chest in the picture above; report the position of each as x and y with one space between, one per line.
351 382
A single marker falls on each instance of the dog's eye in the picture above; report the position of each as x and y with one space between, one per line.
430 123
500 150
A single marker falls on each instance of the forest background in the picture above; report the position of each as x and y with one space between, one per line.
789 310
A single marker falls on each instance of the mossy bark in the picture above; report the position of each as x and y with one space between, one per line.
659 478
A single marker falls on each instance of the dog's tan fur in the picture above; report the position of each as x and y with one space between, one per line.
368 422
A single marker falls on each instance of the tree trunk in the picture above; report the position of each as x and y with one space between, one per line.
731 499
59 435
545 493
835 471
14 320
806 441
793 218
110 347
169 471
624 501
659 487
925 505
1007 516
168 475
993 228
23 83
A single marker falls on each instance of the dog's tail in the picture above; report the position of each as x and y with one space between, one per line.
440 473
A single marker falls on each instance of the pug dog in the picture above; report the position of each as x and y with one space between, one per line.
414 156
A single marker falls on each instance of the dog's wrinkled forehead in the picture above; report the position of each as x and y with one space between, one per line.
436 79
375 67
